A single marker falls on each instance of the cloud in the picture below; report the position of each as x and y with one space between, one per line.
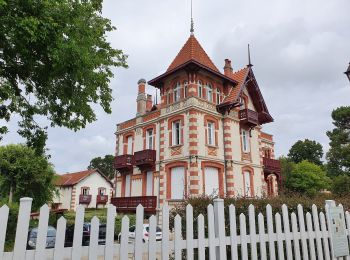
299 51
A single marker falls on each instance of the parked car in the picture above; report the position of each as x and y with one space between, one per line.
50 238
86 235
145 234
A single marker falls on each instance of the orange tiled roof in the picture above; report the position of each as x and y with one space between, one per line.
192 50
240 77
73 178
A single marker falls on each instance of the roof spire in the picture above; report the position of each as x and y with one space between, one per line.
192 24
249 62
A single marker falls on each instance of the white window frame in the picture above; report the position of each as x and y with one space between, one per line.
149 138
185 89
129 144
200 89
247 184
178 186
218 96
177 93
149 183
176 132
87 189
209 88
210 133
245 141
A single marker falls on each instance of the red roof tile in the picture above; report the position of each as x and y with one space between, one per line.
192 50
240 77
70 179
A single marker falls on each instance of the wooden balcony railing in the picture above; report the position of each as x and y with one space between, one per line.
124 163
129 204
101 199
248 117
145 158
84 199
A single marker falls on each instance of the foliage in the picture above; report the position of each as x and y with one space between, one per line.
55 62
105 165
287 167
27 174
341 185
306 150
307 177
339 153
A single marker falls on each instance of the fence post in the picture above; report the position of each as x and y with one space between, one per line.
20 247
219 220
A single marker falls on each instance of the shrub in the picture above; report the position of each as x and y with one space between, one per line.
341 185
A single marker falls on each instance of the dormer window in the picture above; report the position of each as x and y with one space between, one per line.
177 92
200 89
209 92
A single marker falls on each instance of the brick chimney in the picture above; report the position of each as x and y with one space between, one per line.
141 98
228 68
149 103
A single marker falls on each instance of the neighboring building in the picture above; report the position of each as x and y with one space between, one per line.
90 188
205 136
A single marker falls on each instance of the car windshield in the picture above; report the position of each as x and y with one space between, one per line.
158 229
33 233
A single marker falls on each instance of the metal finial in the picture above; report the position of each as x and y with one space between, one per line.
249 61
192 24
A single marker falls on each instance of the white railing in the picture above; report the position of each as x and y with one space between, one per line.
285 236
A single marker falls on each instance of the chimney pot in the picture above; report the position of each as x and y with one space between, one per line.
228 68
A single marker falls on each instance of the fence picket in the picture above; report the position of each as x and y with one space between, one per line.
111 214
95 226
325 236
211 233
4 214
295 236
78 232
60 237
219 218
270 232
201 245
252 232
189 232
317 232
303 233
138 247
177 245
25 206
310 235
124 239
233 232
42 232
261 237
347 219
243 234
152 238
165 233
280 236
286 228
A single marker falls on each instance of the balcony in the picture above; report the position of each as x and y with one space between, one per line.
101 199
129 204
124 163
145 159
84 199
248 117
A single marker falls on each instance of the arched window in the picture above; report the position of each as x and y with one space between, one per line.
209 92
186 89
200 89
177 92
218 101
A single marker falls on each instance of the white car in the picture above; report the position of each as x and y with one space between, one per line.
145 234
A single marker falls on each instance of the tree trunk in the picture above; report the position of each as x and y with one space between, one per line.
11 195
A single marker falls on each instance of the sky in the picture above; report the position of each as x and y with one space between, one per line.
299 50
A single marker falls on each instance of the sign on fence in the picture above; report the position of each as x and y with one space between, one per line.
338 231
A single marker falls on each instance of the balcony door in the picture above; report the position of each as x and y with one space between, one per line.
149 183
127 185
177 183
211 181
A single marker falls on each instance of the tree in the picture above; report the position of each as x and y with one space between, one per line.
338 155
105 165
287 167
55 62
341 185
25 174
308 178
306 150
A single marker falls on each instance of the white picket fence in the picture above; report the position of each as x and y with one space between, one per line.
282 236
